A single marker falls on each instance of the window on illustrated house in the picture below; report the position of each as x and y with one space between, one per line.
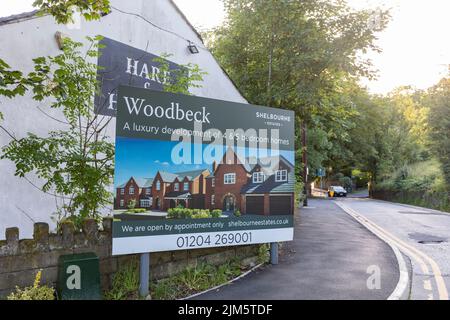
213 182
176 187
281 175
122 191
158 185
258 177
131 190
148 191
229 178
213 200
122 202
186 186
145 203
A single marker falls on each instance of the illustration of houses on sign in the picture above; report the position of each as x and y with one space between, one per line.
137 190
263 186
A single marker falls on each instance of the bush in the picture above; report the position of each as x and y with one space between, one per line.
182 213
137 210
237 213
216 213
131 204
35 292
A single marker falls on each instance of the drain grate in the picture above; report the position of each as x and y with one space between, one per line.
427 238
431 242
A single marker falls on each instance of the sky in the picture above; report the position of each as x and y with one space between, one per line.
416 46
141 158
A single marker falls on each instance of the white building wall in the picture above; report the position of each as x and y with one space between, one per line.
21 203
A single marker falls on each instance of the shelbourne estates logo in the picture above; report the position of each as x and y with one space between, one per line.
173 112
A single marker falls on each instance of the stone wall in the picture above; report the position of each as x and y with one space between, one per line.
21 259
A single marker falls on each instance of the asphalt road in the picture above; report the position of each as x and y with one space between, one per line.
332 257
421 234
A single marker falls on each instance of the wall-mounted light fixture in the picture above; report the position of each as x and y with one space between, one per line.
59 37
192 48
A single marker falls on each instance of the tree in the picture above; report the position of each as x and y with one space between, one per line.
438 101
62 10
75 162
300 55
12 82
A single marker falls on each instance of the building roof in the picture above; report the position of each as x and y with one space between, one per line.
170 177
141 182
271 186
18 17
177 195
190 174
268 164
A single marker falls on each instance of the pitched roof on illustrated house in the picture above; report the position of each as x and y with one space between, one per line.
190 175
271 186
269 166
141 182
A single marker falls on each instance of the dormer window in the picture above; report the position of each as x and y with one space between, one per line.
281 176
158 185
213 182
122 191
148 191
229 178
186 186
258 177
177 187
131 190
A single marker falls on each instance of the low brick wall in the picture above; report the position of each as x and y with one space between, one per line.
21 259
433 200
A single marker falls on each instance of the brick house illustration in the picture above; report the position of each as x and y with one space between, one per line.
186 189
139 190
263 186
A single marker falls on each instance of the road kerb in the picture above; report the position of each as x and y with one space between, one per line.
401 290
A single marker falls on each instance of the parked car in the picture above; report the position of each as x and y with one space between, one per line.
337 191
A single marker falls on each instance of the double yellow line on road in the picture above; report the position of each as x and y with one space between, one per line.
421 258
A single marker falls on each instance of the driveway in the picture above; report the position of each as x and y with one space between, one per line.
329 259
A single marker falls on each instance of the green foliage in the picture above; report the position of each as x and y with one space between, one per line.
136 210
76 163
438 101
12 82
35 292
125 283
424 176
63 10
131 204
185 213
237 213
216 213
264 253
195 279
302 56
179 80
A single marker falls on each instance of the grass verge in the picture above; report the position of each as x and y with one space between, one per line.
191 280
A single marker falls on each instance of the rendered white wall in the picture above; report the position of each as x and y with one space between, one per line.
20 202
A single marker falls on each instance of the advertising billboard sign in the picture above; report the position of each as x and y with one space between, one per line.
194 172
